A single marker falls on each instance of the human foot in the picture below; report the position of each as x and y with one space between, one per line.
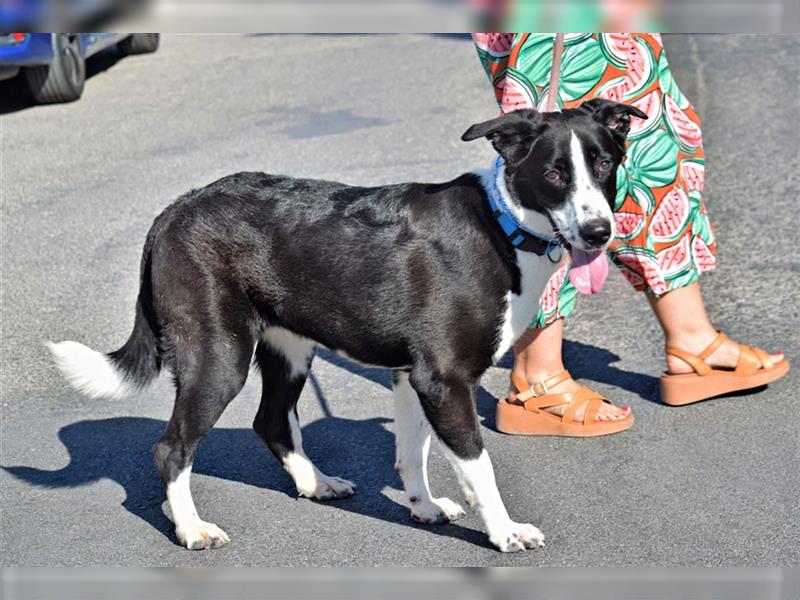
606 411
701 378
724 356
544 408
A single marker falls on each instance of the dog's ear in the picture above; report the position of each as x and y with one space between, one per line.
613 115
511 134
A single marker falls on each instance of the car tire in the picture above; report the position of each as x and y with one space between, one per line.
62 80
139 43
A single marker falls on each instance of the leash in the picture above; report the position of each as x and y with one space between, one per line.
555 73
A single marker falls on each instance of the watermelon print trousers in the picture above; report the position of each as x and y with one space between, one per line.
663 237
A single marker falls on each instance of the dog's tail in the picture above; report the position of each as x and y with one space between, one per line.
123 372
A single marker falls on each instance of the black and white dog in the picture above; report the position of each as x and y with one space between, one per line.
433 281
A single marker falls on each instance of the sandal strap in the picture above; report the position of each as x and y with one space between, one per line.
698 364
536 397
764 357
698 361
576 400
590 416
587 396
538 389
750 360
544 402
721 337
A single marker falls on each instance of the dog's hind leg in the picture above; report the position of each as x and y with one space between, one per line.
207 377
448 400
284 360
413 439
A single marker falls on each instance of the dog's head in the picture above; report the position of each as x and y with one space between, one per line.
564 165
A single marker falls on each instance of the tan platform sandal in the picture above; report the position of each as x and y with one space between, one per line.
753 369
526 415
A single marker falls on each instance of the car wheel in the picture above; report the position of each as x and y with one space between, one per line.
139 43
62 80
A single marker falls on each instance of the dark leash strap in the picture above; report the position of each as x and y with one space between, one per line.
555 73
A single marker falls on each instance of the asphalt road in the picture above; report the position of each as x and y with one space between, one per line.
715 483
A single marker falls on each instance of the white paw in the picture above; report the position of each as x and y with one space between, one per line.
517 537
330 488
436 511
201 536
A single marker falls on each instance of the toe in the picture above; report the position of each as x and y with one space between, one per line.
609 412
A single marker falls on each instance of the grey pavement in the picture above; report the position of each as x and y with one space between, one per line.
716 483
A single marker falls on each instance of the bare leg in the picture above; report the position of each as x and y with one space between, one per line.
682 315
537 356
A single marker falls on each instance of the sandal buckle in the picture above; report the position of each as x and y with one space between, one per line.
542 386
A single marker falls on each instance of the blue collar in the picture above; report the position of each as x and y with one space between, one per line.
520 236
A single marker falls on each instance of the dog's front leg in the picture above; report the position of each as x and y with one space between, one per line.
413 438
450 407
477 477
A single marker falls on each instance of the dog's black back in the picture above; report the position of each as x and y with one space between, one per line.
368 271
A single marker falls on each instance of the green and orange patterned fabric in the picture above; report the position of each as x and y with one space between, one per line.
663 236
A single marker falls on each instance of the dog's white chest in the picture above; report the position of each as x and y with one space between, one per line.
521 309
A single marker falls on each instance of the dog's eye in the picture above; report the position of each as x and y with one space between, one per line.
553 176
604 165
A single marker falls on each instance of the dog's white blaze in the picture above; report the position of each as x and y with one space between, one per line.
89 371
585 202
588 198
412 439
535 271
296 349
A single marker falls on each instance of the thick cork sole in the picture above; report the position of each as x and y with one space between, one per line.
679 390
515 420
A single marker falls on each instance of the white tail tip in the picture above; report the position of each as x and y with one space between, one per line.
90 372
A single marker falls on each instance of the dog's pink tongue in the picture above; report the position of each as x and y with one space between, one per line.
589 271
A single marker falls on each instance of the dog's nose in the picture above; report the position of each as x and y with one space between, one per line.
596 232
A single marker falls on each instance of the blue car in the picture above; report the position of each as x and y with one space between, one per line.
54 64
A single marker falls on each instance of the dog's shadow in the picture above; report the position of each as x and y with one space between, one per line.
121 449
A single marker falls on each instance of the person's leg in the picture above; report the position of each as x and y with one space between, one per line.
661 216
537 357
682 315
